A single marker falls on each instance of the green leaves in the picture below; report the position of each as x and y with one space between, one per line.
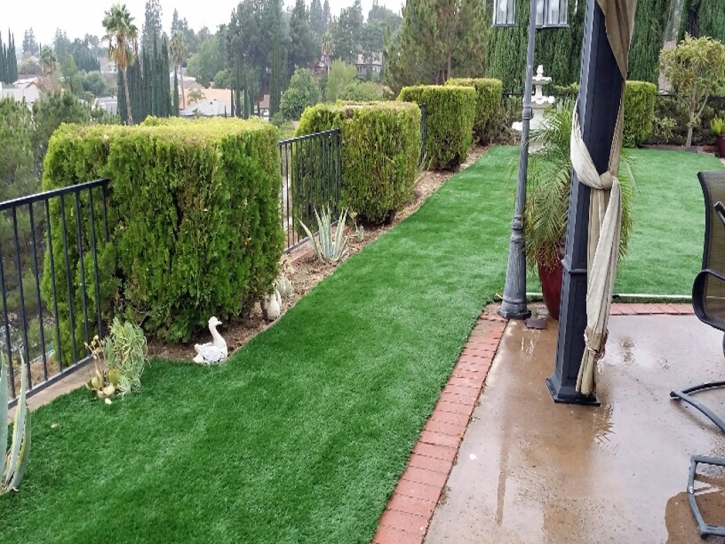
450 114
12 465
328 247
380 144
488 104
194 217
639 112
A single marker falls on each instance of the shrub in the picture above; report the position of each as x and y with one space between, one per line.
450 112
379 154
639 112
488 104
193 213
301 93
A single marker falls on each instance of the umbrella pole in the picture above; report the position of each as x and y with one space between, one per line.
599 96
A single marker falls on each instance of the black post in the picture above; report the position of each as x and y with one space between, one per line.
599 96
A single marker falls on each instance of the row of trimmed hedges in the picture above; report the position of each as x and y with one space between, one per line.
193 213
450 115
380 145
639 112
488 104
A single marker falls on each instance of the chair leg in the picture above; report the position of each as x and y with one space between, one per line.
705 529
685 396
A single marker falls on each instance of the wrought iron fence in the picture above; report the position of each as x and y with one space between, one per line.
33 294
311 180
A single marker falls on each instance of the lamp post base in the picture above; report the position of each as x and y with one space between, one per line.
568 394
514 310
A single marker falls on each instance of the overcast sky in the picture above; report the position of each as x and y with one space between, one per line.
80 17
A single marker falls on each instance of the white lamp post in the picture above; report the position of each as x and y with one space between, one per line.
543 14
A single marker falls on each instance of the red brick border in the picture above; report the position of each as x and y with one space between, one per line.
411 506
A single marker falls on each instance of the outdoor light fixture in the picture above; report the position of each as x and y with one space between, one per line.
549 13
542 14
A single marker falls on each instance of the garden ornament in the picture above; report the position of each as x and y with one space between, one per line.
212 352
271 306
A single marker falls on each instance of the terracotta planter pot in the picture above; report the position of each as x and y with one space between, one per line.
551 278
721 145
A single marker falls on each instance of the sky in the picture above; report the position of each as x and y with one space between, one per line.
80 17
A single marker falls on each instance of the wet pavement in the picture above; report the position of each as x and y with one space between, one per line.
530 471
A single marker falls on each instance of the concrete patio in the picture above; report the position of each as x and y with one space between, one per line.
530 471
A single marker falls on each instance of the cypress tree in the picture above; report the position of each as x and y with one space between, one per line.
703 18
155 83
232 101
650 24
558 50
175 100
3 61
275 84
166 82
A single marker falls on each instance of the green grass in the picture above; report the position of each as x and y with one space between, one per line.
665 251
302 435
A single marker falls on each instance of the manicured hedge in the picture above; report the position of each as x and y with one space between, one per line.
193 213
639 112
380 146
488 104
450 112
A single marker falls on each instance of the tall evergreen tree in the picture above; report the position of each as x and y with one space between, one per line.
347 34
302 44
558 50
275 84
326 15
317 18
152 28
650 23
30 45
703 18
438 39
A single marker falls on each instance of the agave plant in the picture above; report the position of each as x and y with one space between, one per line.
328 247
549 184
12 465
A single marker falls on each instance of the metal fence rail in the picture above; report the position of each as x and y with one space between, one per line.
30 290
311 180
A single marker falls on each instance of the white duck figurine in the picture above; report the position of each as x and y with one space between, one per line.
212 352
271 306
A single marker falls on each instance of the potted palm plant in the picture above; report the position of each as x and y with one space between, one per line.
547 202
718 129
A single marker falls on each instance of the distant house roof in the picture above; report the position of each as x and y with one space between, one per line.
29 93
264 103
208 108
26 82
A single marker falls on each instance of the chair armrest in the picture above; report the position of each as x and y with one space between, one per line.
698 297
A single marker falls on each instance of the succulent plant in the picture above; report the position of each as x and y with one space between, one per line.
328 248
13 465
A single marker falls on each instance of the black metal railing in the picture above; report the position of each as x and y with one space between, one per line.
311 180
48 243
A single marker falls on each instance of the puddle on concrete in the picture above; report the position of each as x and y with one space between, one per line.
618 473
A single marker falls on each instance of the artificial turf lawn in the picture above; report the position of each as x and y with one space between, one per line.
302 435
665 249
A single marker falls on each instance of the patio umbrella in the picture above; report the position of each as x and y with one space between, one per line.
605 212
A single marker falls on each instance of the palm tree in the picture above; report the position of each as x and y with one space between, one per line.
48 62
121 33
178 49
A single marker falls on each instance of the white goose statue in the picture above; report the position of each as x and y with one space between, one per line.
212 352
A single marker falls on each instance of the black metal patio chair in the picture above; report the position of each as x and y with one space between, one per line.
708 301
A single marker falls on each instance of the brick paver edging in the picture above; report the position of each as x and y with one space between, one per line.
411 506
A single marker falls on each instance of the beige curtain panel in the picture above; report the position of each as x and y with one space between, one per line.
605 212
